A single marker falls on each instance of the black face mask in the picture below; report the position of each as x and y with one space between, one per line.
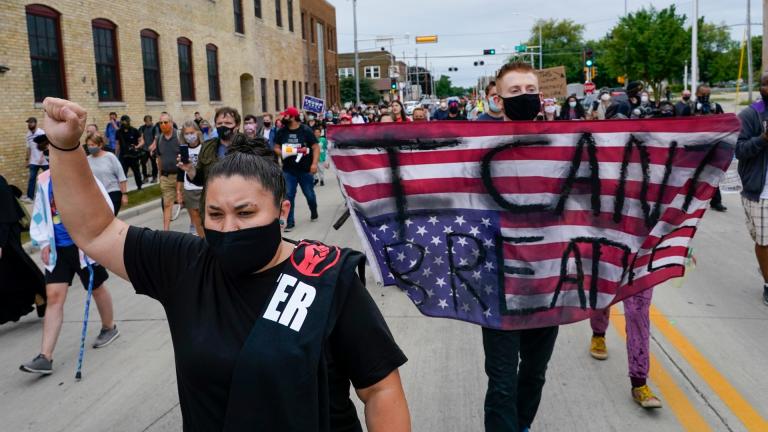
453 109
523 107
764 96
245 251
267 124
686 98
224 132
704 99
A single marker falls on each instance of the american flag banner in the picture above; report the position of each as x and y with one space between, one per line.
514 225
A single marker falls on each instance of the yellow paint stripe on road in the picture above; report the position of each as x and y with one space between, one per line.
671 394
740 407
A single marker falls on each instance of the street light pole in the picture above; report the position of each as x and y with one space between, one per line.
357 57
695 50
541 49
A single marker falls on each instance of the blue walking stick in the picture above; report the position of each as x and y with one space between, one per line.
79 373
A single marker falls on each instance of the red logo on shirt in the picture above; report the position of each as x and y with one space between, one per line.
315 258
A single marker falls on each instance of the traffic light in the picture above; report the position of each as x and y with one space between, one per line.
589 59
491 51
594 72
393 83
453 69
480 63
589 62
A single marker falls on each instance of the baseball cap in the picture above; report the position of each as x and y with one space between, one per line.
290 112
31 120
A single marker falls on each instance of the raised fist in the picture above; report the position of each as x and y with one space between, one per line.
64 122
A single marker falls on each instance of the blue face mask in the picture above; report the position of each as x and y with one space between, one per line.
492 107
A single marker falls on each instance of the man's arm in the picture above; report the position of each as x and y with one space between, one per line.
385 406
87 216
752 139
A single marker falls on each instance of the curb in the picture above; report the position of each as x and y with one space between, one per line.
127 214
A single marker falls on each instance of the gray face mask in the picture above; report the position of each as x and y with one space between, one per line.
93 150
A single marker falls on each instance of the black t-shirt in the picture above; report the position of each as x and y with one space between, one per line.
303 137
128 139
210 316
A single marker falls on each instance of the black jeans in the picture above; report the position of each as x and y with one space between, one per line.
717 199
132 162
514 393
146 158
117 200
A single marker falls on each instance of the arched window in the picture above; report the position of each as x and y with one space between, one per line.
45 53
212 58
150 58
107 60
186 74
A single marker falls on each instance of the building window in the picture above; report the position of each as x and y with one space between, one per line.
301 95
237 5
44 33
257 8
285 93
186 74
306 88
293 92
372 72
312 30
290 14
212 58
278 13
150 59
107 64
264 107
346 72
303 26
277 95
317 92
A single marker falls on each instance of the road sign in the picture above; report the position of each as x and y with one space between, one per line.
589 87
426 39
521 48
313 104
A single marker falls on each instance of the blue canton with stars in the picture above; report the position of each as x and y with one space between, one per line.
462 282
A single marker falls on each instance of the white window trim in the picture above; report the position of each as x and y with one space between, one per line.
371 69
346 72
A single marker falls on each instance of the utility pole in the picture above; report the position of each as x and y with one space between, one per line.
541 48
357 57
695 51
764 67
749 52
685 76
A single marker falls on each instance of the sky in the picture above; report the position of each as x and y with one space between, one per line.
467 27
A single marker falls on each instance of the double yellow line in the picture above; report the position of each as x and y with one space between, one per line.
674 397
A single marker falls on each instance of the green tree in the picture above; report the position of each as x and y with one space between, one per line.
443 87
650 45
368 93
716 50
563 41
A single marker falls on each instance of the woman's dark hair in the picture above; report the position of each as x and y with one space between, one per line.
253 162
403 115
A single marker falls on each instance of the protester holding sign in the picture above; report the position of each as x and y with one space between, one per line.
267 333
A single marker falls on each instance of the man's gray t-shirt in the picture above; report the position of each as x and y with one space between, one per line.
167 150
107 169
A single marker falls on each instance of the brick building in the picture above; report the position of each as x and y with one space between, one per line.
379 66
147 56
318 30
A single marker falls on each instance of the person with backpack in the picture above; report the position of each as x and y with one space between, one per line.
23 284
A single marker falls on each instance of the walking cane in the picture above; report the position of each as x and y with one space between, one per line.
79 373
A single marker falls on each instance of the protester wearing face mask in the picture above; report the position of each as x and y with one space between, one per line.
516 360
128 148
250 126
683 106
442 111
492 111
227 124
107 169
550 109
171 177
572 109
192 137
209 132
268 334
267 130
704 107
623 105
454 111
603 103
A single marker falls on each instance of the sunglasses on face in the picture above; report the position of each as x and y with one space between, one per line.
164 122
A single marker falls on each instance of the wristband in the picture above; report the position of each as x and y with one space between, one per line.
62 149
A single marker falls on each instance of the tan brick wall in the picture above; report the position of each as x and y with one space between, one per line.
323 12
264 51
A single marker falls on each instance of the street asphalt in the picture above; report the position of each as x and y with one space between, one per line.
709 353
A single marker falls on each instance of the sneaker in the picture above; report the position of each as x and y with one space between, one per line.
597 348
322 182
289 227
106 336
645 397
39 364
765 295
314 216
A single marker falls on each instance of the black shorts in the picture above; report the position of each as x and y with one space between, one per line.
68 265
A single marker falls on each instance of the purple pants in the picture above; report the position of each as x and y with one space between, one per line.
636 310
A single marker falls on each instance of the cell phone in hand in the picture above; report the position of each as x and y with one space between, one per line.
184 152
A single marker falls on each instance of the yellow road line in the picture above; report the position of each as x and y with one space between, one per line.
672 395
745 412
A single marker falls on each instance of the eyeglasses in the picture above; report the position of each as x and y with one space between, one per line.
164 122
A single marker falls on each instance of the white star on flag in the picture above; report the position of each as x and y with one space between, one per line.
474 231
442 303
440 281
460 220
421 231
486 222
433 220
436 241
